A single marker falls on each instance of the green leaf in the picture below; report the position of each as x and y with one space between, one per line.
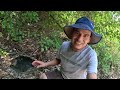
1 35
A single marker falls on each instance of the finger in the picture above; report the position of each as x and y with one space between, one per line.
40 66
35 63
39 62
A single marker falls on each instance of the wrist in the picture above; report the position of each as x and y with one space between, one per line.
46 64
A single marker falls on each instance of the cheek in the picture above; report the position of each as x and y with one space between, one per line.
73 38
87 40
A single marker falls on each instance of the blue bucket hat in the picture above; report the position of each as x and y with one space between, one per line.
86 24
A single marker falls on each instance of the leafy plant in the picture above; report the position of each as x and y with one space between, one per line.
3 52
53 41
13 22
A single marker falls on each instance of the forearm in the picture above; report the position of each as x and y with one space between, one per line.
91 76
52 62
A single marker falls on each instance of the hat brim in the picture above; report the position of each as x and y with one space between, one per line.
95 38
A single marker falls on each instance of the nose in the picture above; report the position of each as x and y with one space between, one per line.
80 38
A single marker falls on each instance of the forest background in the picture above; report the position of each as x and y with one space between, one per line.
41 33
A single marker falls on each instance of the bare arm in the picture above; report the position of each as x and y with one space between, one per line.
91 76
39 64
92 66
53 62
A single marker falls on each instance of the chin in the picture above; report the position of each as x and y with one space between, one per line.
77 48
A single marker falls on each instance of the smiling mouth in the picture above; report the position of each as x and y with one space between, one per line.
78 43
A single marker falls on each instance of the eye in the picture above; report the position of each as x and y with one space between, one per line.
86 35
76 32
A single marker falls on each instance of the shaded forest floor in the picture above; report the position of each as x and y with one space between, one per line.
29 48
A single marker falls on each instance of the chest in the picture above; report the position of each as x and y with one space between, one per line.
72 61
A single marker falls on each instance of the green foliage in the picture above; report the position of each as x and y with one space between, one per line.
65 17
1 35
108 54
51 23
14 21
108 49
3 53
50 42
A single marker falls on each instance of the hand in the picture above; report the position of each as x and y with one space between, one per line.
38 64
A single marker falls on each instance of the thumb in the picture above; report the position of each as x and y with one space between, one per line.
39 66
